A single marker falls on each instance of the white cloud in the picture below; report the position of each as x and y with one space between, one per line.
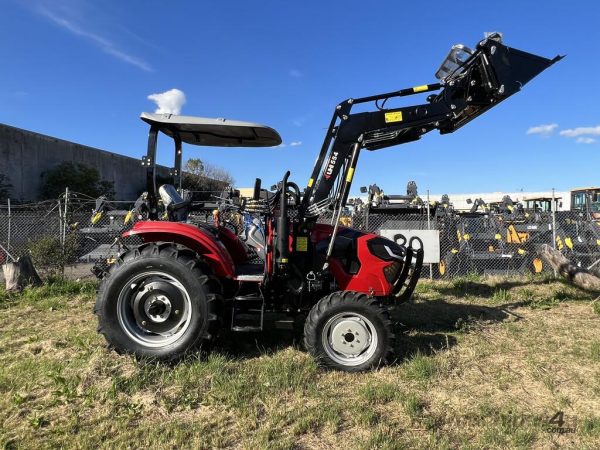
585 140
543 130
168 102
101 42
295 73
291 144
581 131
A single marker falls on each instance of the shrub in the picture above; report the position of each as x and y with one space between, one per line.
78 178
49 252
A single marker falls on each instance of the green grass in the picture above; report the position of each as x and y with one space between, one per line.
501 296
481 363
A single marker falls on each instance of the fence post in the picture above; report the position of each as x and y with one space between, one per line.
9 227
60 222
429 228
554 225
64 237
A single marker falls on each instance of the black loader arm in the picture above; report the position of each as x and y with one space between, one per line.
470 83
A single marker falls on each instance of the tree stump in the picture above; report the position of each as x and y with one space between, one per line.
20 273
576 275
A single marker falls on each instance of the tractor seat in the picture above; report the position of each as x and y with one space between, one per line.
177 207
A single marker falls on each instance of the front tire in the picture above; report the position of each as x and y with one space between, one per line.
349 331
158 301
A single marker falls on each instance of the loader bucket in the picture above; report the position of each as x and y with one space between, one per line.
491 74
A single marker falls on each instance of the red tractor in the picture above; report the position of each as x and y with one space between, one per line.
174 293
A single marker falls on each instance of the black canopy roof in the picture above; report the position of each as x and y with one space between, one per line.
214 132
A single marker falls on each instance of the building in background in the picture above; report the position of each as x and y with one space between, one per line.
25 156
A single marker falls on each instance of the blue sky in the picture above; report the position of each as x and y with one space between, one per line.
82 71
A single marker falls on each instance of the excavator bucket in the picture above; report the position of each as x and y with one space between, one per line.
475 81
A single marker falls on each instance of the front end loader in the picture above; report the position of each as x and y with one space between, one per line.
172 294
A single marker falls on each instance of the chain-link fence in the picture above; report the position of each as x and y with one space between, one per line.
490 243
84 230
68 230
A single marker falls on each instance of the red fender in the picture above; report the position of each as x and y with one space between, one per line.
232 243
190 236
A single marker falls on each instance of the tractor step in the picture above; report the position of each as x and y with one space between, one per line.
246 328
247 313
251 278
250 272
248 298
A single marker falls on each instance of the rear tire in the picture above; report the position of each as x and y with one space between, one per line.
349 331
159 301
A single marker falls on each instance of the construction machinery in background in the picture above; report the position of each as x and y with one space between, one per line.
172 294
578 235
586 200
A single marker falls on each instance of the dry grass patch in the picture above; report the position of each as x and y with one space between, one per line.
481 363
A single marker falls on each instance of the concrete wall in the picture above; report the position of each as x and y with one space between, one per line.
25 156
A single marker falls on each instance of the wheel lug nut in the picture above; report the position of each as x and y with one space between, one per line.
143 322
176 312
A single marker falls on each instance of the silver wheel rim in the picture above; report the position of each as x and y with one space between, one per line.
349 339
140 308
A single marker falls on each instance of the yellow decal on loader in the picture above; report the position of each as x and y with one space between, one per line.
521 251
310 182
395 116
491 249
454 251
301 244
498 237
350 174
537 265
466 236
420 88
559 243
598 241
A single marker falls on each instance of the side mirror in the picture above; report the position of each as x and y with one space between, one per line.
469 201
363 190
274 187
